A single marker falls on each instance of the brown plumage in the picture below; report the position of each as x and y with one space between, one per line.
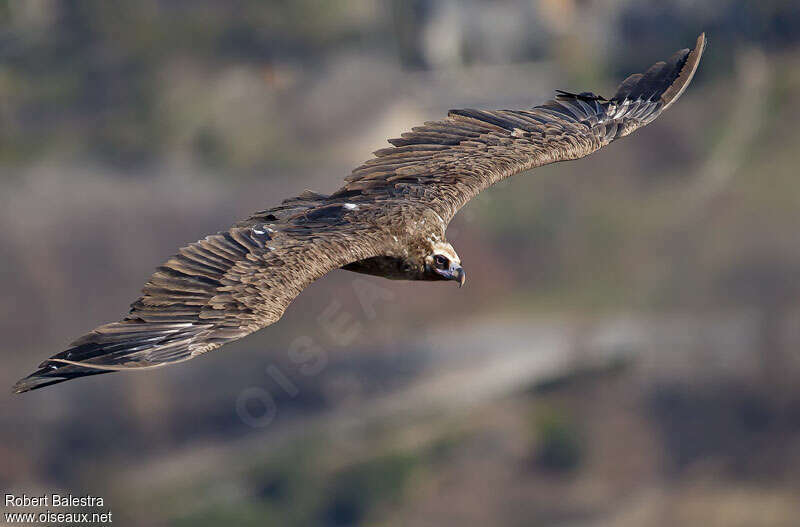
389 220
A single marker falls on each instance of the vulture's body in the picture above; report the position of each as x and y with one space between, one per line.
389 220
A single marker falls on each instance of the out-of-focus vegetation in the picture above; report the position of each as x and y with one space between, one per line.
625 350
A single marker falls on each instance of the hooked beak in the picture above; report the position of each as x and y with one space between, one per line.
454 272
460 275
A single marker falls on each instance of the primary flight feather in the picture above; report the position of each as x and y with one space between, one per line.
389 220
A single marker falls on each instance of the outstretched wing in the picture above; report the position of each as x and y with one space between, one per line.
216 290
444 164
233 283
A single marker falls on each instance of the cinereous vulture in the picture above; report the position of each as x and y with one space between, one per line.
389 219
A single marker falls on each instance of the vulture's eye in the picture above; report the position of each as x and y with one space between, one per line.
441 262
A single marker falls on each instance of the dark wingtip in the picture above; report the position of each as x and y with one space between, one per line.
37 379
664 80
686 73
50 374
33 382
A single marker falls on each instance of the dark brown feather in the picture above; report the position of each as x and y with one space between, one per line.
230 284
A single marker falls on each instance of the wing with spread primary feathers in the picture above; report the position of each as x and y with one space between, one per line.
216 290
443 164
230 284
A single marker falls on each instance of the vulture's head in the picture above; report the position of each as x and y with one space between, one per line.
442 263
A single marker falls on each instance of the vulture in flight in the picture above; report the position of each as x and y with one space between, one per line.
389 219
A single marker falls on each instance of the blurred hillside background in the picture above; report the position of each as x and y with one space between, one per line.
624 353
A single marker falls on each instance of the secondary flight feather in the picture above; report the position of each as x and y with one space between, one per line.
389 220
